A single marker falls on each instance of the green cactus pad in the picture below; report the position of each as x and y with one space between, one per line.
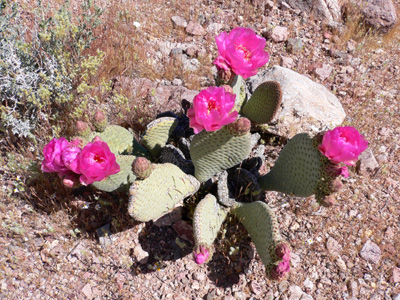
264 103
213 152
298 170
207 220
239 90
117 138
154 196
261 224
122 179
157 134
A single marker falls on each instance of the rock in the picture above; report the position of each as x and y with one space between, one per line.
395 275
87 291
279 34
179 21
192 51
309 285
326 10
367 162
306 106
170 218
184 230
195 28
333 247
396 297
200 276
104 234
295 292
323 72
255 287
213 29
371 252
380 14
294 45
286 62
341 264
141 256
352 286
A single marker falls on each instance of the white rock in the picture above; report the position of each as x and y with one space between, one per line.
307 106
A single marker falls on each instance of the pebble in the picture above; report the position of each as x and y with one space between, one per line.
395 275
295 292
371 252
141 256
279 34
179 21
195 285
195 29
341 264
352 286
283 286
308 284
255 287
286 62
333 247
294 45
200 276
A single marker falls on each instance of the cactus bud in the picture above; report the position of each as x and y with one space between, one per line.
240 127
279 271
97 139
78 142
141 167
228 88
83 129
225 76
69 179
100 121
201 255
282 251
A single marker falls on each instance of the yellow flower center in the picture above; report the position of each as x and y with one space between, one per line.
212 104
245 52
97 158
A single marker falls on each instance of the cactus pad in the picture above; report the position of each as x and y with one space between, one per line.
261 224
264 103
154 196
157 134
117 138
239 90
298 170
122 179
207 220
213 152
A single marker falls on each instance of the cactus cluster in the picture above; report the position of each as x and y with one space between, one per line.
169 163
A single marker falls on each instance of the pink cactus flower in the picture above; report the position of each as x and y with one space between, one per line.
70 157
242 51
52 152
69 179
279 271
282 251
201 255
343 145
96 162
212 110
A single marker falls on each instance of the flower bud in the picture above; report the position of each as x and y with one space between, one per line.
279 271
240 127
201 255
282 251
141 167
328 201
100 121
83 129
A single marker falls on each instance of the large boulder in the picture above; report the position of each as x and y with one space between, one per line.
380 14
307 106
327 10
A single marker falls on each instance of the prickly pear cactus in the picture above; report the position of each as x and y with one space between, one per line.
118 138
239 89
157 134
213 152
122 179
207 220
261 224
263 103
298 170
154 196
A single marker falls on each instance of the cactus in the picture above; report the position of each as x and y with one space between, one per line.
263 103
122 179
157 134
118 138
261 224
154 196
239 89
213 152
207 220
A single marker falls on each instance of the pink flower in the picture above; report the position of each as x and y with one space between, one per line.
70 157
96 162
69 179
279 271
241 51
343 145
201 255
52 152
282 251
211 109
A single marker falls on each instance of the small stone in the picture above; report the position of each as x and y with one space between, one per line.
324 71
228 298
87 291
353 288
396 297
279 34
333 247
295 292
309 285
255 287
195 29
179 21
283 286
371 252
395 275
200 276
286 62
306 297
295 260
341 264
367 162
192 51
382 158
195 285
177 82
351 46
141 256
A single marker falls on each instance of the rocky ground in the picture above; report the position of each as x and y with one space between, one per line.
90 249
